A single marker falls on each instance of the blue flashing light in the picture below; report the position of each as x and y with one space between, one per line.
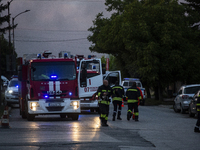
94 67
133 79
70 93
39 56
53 76
89 56
46 96
77 67
65 55
17 86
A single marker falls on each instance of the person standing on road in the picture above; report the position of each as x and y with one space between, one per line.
138 101
117 95
104 92
196 129
133 96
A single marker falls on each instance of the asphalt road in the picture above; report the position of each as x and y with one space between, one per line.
159 128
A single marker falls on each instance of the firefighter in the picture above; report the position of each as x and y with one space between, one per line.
133 96
104 92
117 95
138 101
196 129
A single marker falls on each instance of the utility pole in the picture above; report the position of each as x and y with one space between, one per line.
9 35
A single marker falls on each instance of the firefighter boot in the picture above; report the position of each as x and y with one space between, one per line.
114 114
102 121
136 118
196 129
128 116
105 123
118 115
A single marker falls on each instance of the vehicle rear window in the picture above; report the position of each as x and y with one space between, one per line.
191 90
138 84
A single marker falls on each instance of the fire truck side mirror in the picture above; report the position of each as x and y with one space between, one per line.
20 73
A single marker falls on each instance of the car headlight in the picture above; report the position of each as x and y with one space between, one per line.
10 91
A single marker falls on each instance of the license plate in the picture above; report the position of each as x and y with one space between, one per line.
54 104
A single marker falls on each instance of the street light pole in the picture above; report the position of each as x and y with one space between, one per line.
13 23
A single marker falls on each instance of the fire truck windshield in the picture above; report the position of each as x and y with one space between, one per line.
48 71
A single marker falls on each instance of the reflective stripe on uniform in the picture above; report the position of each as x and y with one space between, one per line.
132 101
136 114
198 109
198 104
129 111
104 102
99 93
104 91
103 115
117 87
132 90
140 97
106 118
117 99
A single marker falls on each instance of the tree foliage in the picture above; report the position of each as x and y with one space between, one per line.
151 39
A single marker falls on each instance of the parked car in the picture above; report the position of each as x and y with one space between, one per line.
11 93
192 106
182 99
127 83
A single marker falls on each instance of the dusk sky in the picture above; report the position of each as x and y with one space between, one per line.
55 25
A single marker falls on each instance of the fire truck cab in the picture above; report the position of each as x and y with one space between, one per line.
48 85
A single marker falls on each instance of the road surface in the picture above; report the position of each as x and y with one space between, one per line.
159 128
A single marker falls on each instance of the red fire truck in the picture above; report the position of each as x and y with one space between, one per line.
48 85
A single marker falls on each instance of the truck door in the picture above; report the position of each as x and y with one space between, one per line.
88 83
112 77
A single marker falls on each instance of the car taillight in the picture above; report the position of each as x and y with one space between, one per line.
185 96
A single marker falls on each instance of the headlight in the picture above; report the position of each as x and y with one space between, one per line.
10 91
75 104
33 105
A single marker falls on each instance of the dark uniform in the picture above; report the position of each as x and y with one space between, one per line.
196 129
133 95
117 95
104 103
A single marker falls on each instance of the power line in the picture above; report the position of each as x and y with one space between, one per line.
40 41
51 30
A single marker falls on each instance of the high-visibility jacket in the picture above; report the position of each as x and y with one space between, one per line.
198 104
117 93
133 95
104 89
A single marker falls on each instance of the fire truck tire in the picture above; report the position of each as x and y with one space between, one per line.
74 116
28 116
23 115
62 115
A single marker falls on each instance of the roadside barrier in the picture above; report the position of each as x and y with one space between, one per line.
122 102
5 118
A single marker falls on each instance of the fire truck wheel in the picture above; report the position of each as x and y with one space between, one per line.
23 115
74 116
62 115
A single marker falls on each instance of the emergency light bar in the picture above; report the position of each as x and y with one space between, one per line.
53 76
65 55
132 79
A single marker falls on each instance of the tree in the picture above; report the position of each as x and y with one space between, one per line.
151 39
4 45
